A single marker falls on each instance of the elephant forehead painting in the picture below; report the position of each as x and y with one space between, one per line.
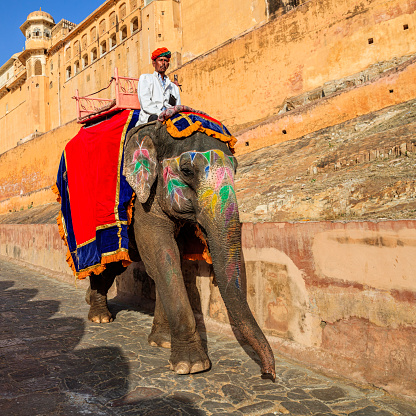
218 178
178 179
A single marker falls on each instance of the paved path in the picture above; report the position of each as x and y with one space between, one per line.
54 362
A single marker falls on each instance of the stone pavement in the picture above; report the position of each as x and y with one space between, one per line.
53 361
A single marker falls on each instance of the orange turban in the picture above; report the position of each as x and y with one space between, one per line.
161 52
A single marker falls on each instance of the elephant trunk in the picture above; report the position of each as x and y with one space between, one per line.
224 239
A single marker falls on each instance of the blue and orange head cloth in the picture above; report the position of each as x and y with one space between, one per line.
158 53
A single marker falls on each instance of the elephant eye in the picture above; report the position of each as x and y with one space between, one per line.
186 171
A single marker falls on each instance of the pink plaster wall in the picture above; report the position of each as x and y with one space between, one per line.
338 296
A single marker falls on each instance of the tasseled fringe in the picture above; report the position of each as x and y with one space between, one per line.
122 254
129 210
61 230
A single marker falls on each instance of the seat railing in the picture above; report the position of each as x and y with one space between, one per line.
89 107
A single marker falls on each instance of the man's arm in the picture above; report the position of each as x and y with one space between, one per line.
144 91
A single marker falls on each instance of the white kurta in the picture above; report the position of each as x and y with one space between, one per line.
153 97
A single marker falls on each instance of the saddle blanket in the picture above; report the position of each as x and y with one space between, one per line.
95 195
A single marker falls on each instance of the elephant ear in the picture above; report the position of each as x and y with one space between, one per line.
140 163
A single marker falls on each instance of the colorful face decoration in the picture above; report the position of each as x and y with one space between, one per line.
215 195
217 184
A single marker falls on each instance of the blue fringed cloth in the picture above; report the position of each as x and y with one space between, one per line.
182 121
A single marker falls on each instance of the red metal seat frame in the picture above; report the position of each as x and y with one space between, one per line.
90 108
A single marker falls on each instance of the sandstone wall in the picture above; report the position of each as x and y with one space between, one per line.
28 171
337 296
14 109
393 87
248 79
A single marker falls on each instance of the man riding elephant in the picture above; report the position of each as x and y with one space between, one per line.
181 169
156 91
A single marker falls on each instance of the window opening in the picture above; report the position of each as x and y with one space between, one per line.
94 55
103 48
134 25
113 41
85 61
123 34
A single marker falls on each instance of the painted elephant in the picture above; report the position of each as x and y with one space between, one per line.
189 179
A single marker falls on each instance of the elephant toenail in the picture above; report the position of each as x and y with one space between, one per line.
197 368
182 368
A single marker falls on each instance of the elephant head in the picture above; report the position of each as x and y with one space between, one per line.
192 179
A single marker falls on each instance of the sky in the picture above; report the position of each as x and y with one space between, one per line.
14 13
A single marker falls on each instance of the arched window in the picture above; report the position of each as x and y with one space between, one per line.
122 11
113 41
93 34
68 53
47 33
77 49
94 55
28 34
85 61
76 67
68 72
134 25
133 4
36 32
123 33
102 27
112 19
103 47
38 67
84 42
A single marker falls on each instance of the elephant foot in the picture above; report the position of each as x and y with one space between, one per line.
189 358
98 312
160 337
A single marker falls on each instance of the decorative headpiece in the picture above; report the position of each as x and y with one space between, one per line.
161 52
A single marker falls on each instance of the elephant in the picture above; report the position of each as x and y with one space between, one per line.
175 180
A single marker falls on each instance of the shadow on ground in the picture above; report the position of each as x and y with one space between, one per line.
43 373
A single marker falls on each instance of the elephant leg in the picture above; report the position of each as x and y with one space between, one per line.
160 255
96 295
160 335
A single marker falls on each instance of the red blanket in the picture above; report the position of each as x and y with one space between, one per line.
95 195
